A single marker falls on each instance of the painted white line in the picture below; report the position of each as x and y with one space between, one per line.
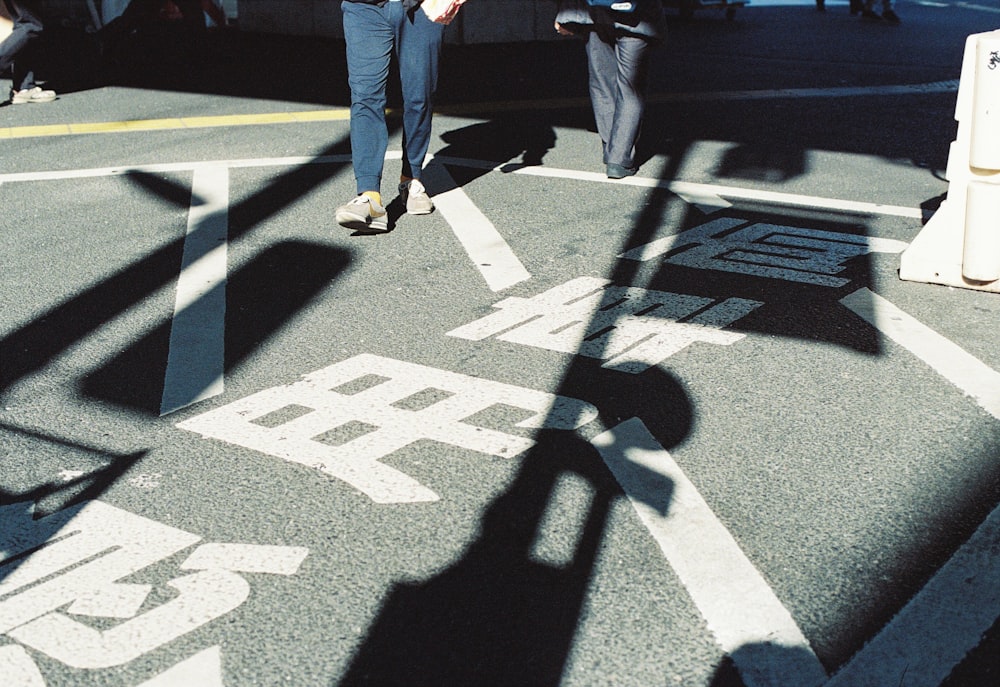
18 669
488 250
748 621
960 368
253 558
196 360
699 193
706 193
933 633
203 669
950 86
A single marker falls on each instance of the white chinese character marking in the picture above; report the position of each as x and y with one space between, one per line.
810 256
631 328
345 418
78 557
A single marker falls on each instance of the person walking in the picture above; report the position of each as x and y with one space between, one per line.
19 50
374 30
618 49
888 14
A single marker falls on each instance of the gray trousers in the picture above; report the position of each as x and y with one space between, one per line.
618 65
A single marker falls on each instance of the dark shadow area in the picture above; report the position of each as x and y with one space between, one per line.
757 162
261 298
981 667
163 188
34 345
520 139
498 617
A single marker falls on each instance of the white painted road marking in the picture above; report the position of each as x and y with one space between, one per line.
730 244
631 328
487 249
71 564
196 358
748 621
204 669
953 363
709 194
18 669
940 625
681 188
345 418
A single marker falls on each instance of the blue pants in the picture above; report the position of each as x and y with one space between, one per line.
17 48
373 34
618 66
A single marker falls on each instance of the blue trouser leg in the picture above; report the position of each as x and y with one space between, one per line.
15 49
418 46
618 69
369 35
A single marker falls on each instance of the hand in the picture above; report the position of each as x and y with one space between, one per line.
562 30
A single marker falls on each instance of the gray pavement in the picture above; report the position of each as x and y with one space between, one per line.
685 429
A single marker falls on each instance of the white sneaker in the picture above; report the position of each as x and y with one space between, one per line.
31 95
415 197
363 214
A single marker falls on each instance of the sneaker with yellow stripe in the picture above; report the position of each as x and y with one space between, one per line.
363 213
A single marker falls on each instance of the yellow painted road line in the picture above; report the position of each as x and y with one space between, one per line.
340 114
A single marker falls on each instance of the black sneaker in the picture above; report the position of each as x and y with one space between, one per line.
871 16
890 17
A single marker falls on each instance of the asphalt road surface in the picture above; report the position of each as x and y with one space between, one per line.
688 428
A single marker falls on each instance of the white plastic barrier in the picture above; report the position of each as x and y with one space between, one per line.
960 245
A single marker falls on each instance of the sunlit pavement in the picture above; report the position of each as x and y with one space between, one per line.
687 428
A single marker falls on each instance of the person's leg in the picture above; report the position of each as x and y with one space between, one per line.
418 46
15 49
369 37
603 68
632 66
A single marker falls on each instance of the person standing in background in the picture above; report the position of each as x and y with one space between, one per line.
374 30
618 49
19 50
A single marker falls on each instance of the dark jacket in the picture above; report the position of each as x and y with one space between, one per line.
646 21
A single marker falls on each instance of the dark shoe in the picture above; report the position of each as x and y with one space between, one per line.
890 17
856 6
620 171
871 16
